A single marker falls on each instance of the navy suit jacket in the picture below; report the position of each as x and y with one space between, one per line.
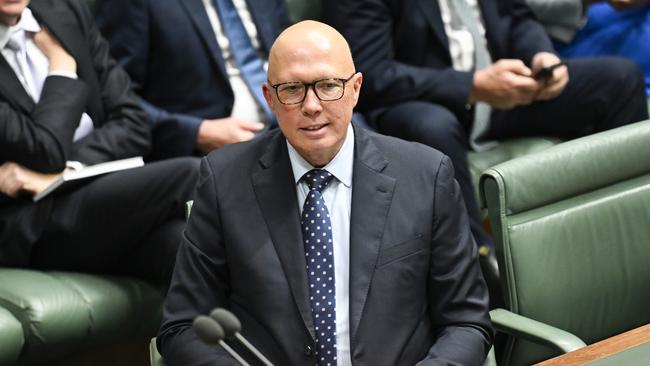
416 289
169 49
402 48
39 135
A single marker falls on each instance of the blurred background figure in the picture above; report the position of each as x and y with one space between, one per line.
65 103
197 65
461 75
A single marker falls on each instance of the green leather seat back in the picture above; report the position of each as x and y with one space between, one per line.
61 312
506 150
304 9
572 225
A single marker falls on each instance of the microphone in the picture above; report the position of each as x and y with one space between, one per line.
212 333
231 326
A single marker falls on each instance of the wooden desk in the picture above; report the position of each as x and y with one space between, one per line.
633 341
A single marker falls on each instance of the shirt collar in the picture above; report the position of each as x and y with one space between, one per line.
27 23
340 167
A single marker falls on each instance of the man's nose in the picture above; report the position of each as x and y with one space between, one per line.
311 104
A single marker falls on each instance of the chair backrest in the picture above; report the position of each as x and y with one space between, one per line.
304 9
572 227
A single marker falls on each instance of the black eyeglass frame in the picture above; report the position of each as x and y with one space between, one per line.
311 85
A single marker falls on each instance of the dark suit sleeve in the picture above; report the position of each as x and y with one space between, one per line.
126 25
42 141
368 26
459 298
527 35
124 131
199 283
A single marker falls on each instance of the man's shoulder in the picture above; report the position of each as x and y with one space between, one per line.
398 149
244 155
80 8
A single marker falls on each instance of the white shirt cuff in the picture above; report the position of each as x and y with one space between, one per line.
67 74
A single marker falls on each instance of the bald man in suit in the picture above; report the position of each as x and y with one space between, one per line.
377 267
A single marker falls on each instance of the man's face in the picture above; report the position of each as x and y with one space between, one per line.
10 11
315 128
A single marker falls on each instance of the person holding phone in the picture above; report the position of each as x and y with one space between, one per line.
460 74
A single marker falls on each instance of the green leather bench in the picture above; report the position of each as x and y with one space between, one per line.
51 315
572 230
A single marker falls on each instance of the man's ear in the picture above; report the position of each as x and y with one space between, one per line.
267 91
356 86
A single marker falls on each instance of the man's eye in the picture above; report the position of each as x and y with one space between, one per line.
331 85
291 88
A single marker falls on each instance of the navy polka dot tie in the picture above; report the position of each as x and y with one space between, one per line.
317 239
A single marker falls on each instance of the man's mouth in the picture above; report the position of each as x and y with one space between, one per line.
314 127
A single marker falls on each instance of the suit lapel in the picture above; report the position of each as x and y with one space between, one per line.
431 10
276 193
11 88
372 194
196 11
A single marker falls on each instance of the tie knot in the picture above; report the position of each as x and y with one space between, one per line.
16 41
317 179
13 45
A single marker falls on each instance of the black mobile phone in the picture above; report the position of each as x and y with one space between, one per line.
547 72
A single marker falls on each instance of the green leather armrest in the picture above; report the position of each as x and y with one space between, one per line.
188 208
534 331
155 358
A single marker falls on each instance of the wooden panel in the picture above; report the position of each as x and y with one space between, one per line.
602 349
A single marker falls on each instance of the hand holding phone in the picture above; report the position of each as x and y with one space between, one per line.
546 73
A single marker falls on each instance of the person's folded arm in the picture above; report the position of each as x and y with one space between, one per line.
42 140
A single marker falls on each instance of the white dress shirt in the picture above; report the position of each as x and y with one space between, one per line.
338 199
28 26
461 44
245 106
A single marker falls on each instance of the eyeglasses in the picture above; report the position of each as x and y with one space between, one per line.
327 90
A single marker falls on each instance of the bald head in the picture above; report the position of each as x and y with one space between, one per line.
313 61
310 44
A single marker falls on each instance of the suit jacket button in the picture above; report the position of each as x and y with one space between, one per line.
308 351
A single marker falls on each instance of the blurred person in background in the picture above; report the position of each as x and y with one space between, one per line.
197 66
462 74
65 103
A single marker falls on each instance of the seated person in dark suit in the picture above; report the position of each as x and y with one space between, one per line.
64 100
197 65
377 267
459 74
